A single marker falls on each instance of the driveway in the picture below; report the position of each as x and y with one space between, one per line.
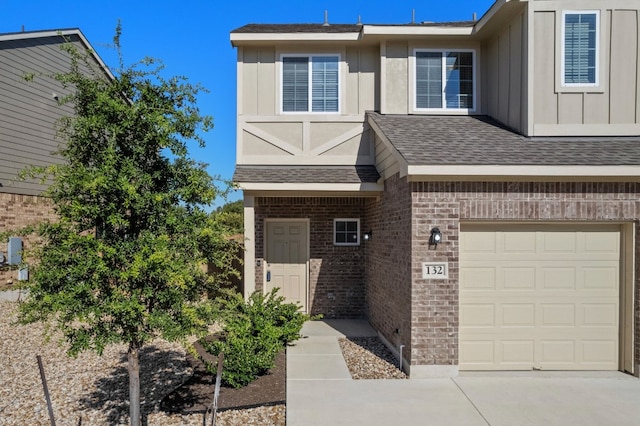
320 391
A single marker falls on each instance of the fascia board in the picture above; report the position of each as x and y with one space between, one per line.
415 30
523 172
238 38
312 187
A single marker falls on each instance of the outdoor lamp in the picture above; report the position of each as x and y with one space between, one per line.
436 236
368 235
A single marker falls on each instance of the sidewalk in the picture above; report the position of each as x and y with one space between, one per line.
320 391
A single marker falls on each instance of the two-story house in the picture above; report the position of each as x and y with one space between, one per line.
471 188
28 114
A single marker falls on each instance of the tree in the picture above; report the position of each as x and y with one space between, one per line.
231 215
123 263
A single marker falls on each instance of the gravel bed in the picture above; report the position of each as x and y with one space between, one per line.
369 358
92 389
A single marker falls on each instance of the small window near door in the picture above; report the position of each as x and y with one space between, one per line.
346 232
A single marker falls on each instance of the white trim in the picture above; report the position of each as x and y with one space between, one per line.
562 48
238 38
310 57
346 220
408 30
460 171
249 246
335 187
413 63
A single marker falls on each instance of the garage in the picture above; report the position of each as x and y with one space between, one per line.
544 296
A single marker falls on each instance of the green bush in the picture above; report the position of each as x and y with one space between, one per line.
254 332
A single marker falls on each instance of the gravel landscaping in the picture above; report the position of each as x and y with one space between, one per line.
93 390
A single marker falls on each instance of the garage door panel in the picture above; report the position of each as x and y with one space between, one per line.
541 297
518 315
557 315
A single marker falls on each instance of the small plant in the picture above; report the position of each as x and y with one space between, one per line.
254 332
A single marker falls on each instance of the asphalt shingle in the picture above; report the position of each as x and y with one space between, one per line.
480 140
306 174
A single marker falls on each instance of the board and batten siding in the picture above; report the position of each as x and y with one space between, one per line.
28 110
503 77
268 136
611 108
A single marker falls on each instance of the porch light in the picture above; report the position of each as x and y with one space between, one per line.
436 237
368 235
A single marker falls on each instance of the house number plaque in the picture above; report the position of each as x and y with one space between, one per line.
435 270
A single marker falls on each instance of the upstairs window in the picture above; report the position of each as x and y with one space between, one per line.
580 48
445 80
310 83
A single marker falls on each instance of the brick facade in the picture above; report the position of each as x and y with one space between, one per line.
445 204
17 211
336 273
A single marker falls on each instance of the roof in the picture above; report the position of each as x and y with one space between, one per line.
306 174
336 28
480 140
63 32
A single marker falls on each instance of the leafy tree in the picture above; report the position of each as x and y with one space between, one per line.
123 263
231 215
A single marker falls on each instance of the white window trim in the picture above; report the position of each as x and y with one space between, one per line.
562 48
335 221
444 79
310 97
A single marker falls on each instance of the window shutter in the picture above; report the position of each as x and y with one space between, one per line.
295 84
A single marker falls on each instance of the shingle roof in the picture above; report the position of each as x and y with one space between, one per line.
306 174
298 28
336 28
480 140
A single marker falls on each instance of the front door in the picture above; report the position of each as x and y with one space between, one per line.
287 258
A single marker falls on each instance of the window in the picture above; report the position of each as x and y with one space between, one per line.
310 83
346 232
580 48
445 80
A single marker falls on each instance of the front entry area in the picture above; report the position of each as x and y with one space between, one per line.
287 259
540 297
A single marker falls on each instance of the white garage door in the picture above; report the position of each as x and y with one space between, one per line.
539 297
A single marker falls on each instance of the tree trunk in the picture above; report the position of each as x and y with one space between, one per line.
134 383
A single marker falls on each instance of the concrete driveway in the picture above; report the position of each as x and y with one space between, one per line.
320 391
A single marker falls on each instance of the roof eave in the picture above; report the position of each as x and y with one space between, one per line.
240 38
626 173
415 30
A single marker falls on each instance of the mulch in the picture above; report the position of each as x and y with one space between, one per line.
196 394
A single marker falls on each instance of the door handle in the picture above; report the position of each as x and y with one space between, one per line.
268 276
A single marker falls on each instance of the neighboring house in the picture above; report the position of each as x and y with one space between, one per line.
28 113
516 135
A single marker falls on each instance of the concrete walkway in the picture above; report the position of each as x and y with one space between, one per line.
320 391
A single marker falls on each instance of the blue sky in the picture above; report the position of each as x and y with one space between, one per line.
191 37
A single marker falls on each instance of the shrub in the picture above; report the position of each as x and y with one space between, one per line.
254 332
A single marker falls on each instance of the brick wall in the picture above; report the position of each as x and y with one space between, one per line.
336 275
17 211
444 204
388 263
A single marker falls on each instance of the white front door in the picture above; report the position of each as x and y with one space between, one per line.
287 259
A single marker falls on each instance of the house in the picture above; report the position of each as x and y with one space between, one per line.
28 113
471 188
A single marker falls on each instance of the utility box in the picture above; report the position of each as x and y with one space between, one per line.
14 251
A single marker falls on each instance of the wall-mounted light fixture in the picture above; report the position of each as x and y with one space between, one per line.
368 235
436 237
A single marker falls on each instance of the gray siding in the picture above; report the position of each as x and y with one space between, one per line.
28 111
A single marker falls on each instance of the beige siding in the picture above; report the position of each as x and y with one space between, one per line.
28 111
267 136
386 164
396 79
611 108
503 77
